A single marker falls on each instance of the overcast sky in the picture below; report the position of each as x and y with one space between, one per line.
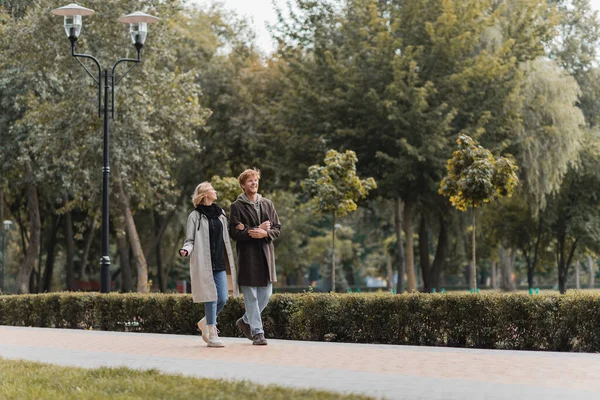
261 12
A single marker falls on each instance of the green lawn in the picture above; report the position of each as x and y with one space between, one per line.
30 380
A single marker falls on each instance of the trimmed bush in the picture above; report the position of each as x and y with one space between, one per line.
489 321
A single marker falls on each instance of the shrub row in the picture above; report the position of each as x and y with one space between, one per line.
490 321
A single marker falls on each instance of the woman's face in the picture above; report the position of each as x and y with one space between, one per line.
211 194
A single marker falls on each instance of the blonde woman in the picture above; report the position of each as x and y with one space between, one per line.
211 259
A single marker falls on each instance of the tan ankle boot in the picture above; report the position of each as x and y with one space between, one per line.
213 337
203 329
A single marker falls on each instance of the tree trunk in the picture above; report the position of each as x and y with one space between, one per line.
410 253
1 212
473 269
160 231
389 266
34 241
591 271
159 225
530 268
86 251
162 281
134 239
23 230
529 263
536 251
70 242
577 271
46 281
507 284
562 268
175 244
124 261
284 278
440 255
400 259
564 260
494 275
33 278
333 254
513 259
299 278
424 254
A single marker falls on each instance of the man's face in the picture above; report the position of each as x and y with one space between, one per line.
250 187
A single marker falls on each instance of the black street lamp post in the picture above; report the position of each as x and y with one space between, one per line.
138 28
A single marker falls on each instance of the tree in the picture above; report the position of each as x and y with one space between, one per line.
548 139
336 189
573 213
152 125
475 178
319 252
299 224
551 133
396 84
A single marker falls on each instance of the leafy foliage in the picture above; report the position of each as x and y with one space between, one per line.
336 189
228 189
335 185
475 177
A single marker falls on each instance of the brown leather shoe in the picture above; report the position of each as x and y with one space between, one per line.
259 339
244 328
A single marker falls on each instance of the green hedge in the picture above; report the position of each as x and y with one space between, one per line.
489 321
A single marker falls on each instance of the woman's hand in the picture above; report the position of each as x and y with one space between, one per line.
183 253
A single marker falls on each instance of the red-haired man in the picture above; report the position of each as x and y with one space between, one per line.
254 225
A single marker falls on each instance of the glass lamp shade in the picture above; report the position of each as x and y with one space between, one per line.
73 25
138 26
72 13
138 32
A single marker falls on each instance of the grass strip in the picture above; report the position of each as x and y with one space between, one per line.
32 380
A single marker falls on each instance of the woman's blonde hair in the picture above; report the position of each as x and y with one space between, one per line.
200 193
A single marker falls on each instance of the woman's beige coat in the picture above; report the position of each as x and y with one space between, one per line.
197 244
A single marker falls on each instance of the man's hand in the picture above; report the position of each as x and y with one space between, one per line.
265 225
183 253
257 233
239 227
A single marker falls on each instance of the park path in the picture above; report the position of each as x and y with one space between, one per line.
381 371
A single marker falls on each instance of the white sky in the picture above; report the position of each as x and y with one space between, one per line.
261 12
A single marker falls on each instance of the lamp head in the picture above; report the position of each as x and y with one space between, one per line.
73 21
138 26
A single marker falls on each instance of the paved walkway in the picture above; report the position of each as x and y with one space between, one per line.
381 371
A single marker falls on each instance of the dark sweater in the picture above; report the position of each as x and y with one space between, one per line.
215 231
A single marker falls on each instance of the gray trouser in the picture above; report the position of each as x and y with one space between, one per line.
255 300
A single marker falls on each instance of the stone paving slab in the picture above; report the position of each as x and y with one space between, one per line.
381 371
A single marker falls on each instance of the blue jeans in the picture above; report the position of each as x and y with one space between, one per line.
255 300
213 308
